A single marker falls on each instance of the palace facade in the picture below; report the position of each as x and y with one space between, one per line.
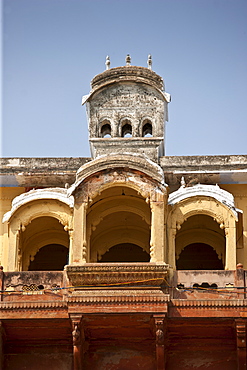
129 259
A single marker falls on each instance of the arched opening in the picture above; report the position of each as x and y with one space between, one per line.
147 130
105 131
126 128
52 257
200 244
118 226
42 236
125 252
199 256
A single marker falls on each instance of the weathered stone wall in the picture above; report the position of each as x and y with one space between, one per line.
127 100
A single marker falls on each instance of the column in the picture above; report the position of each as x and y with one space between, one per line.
77 341
79 246
172 247
160 333
157 231
241 343
231 258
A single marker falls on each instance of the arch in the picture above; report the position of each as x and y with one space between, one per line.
51 194
122 170
26 212
102 182
201 229
205 200
118 215
42 231
125 128
146 128
105 129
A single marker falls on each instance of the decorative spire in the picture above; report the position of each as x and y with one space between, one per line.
107 62
149 61
128 60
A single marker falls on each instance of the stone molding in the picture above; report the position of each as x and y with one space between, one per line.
59 194
213 191
102 274
33 305
116 299
209 303
114 161
127 74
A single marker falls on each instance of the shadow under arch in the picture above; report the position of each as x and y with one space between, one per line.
199 256
125 252
118 226
51 257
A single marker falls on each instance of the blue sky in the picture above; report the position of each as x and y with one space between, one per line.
53 48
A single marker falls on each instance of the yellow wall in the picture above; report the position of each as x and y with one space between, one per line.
6 197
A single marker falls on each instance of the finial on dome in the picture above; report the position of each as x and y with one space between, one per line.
183 184
107 62
149 62
128 60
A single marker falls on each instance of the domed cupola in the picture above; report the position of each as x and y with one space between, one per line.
127 110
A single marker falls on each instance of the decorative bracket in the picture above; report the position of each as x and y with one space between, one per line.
160 336
78 340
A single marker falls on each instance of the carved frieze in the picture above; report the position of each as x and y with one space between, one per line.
145 274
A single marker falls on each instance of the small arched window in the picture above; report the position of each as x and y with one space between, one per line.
147 130
126 129
105 130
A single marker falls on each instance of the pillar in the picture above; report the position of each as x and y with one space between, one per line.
160 334
79 246
171 256
231 258
241 343
157 231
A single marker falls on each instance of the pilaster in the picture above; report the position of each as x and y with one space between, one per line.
157 231
241 343
79 249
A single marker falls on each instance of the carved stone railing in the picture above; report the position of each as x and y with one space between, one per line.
117 274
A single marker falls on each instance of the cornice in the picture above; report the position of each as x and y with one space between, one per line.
209 303
45 305
118 300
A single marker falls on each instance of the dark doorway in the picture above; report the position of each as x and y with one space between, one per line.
199 256
51 257
126 252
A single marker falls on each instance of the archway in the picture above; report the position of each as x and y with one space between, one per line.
199 256
51 257
45 241
118 226
200 238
